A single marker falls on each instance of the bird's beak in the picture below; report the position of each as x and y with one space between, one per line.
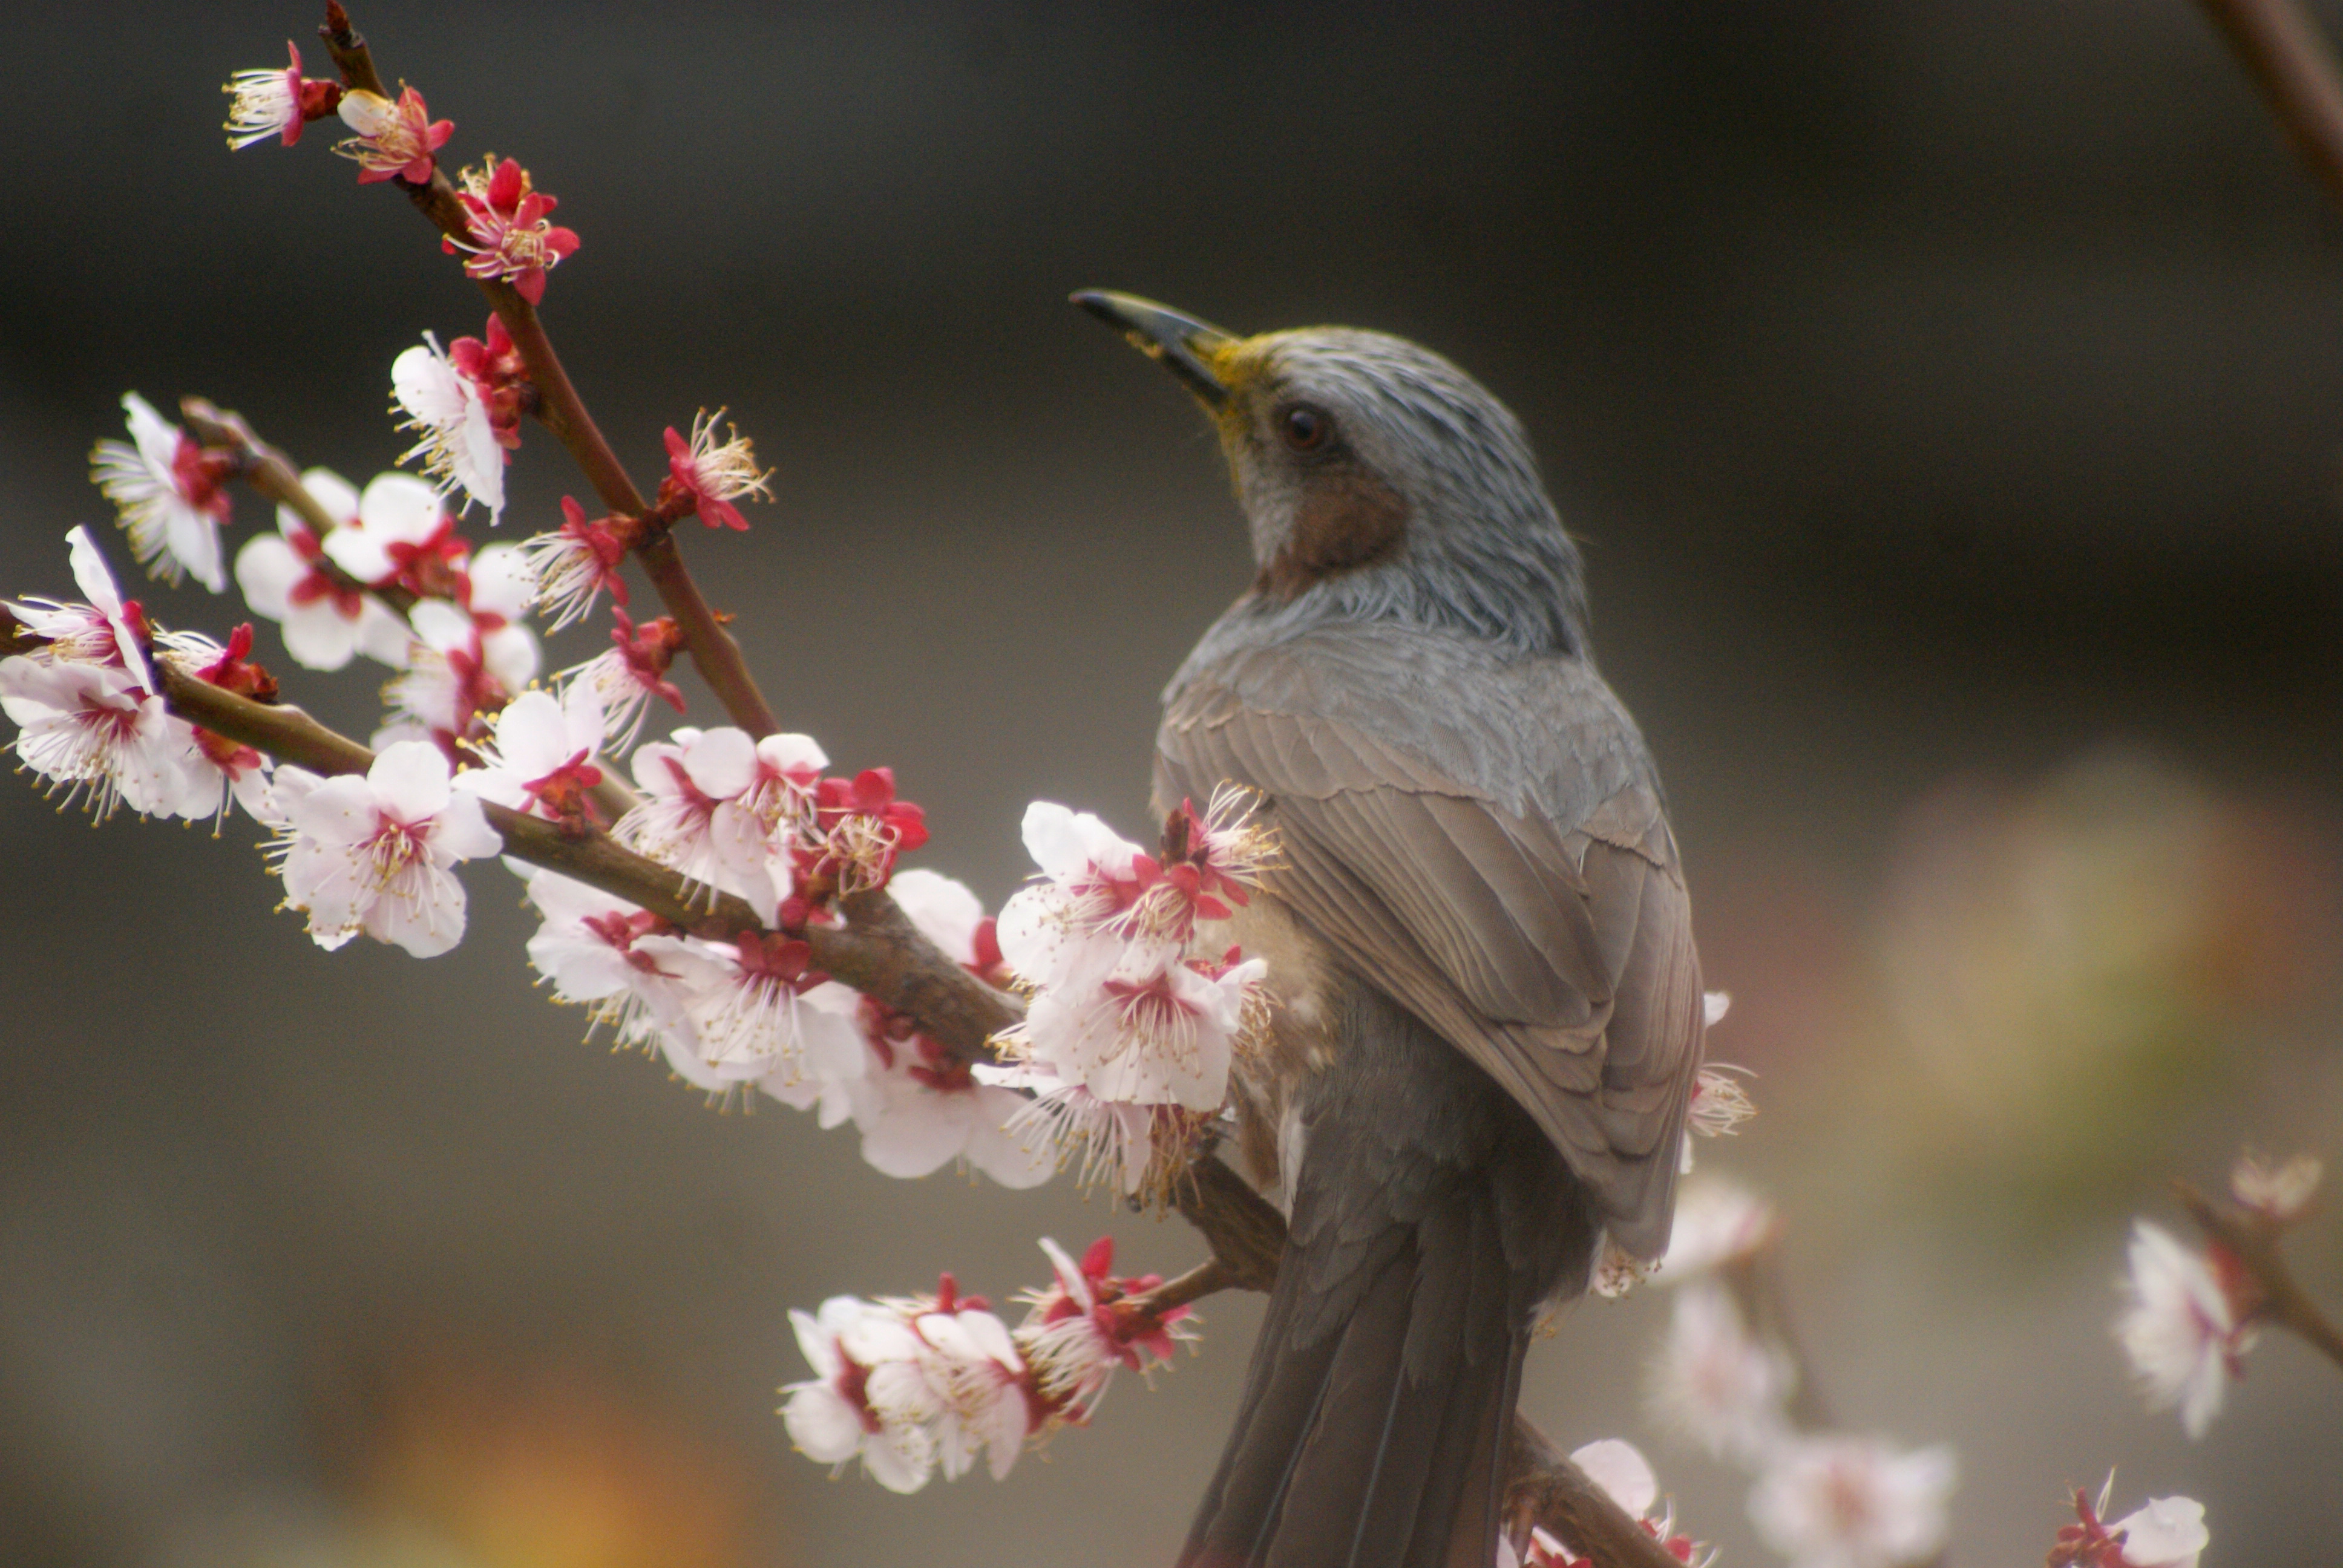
1180 344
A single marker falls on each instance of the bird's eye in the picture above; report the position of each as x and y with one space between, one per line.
1305 427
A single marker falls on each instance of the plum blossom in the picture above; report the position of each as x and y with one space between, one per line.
764 1015
108 629
919 1107
397 534
1717 1224
1716 1384
867 1399
458 440
1716 1108
591 947
706 476
1155 1029
1055 932
166 488
861 828
498 372
510 236
1140 1150
1853 1502
218 769
1079 1327
394 139
574 564
2169 1532
455 676
289 578
2182 1329
683 780
2281 1195
94 731
756 826
275 103
969 1358
541 759
372 853
631 674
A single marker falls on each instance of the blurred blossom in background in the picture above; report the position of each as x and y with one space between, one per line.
1949 394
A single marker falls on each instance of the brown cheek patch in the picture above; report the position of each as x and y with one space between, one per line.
1345 520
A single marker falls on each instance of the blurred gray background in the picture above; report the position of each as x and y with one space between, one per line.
1949 394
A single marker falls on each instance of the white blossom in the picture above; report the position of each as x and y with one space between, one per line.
170 505
372 852
92 730
2283 1193
1716 1384
1853 1502
867 1397
2169 1532
541 748
1716 1222
2179 1329
458 439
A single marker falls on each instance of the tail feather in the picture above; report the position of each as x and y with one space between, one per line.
1371 1446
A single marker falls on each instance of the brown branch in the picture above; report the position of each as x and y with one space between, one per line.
562 411
1548 1490
2252 1238
270 473
2290 63
1755 1281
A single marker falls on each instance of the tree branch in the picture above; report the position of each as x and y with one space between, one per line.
2282 51
562 411
1548 1490
2252 1238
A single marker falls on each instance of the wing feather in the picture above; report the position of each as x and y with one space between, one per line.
1552 947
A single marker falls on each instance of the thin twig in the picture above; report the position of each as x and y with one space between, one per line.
562 411
2290 63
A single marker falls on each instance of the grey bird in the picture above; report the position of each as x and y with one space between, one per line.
1487 1010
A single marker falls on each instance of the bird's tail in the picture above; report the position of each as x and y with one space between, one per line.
1373 1437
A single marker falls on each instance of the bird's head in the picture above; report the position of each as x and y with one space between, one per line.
1377 479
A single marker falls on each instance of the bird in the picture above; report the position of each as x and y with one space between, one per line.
1486 1009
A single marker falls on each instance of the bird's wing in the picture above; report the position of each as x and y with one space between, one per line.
1557 954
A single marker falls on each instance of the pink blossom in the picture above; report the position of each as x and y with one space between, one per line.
1055 930
510 235
1140 1148
457 678
458 435
860 827
1853 1502
574 563
276 102
765 1016
166 488
756 827
397 534
1156 1028
631 674
288 576
2181 1330
394 140
707 476
373 852
1079 1329
1716 1384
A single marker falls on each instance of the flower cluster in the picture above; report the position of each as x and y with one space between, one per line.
2167 1532
1135 1017
909 1385
510 235
1626 1476
90 715
1725 1386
